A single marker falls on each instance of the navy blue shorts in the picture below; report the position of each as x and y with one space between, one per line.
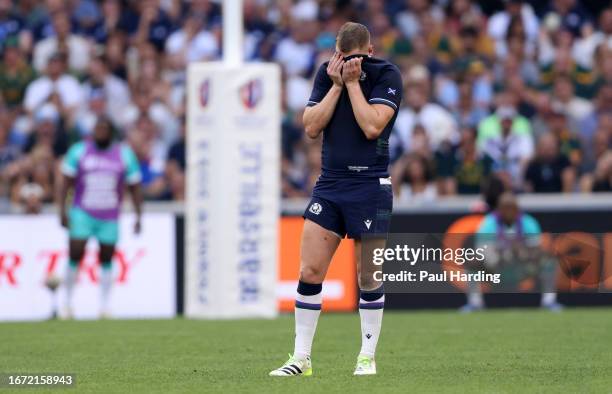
352 206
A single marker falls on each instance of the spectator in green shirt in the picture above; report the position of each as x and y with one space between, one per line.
15 75
464 169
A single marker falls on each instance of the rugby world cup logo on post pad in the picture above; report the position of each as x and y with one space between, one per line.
204 92
251 93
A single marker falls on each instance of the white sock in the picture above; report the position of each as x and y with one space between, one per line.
72 272
549 298
106 282
307 311
371 314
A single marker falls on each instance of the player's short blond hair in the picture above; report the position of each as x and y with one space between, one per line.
352 36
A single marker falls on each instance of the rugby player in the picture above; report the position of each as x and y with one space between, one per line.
354 103
98 171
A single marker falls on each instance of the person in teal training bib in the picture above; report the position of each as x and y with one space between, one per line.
512 239
97 170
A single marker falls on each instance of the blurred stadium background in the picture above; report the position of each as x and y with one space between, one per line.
542 69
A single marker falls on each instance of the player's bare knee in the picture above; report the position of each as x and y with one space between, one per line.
310 274
368 282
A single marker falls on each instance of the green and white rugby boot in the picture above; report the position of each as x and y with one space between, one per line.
294 367
365 366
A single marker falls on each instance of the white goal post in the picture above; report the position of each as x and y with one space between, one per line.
233 182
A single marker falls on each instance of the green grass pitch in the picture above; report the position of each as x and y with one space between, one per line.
520 351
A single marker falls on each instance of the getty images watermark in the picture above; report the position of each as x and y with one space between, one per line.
412 256
500 262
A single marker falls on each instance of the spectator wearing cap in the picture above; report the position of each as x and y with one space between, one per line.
505 137
55 82
550 171
76 47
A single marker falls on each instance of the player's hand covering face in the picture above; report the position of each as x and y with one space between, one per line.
334 69
352 70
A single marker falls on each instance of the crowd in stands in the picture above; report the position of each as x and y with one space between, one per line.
521 89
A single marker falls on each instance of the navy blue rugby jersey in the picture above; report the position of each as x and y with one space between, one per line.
346 150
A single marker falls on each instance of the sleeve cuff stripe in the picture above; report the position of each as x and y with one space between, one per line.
384 101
